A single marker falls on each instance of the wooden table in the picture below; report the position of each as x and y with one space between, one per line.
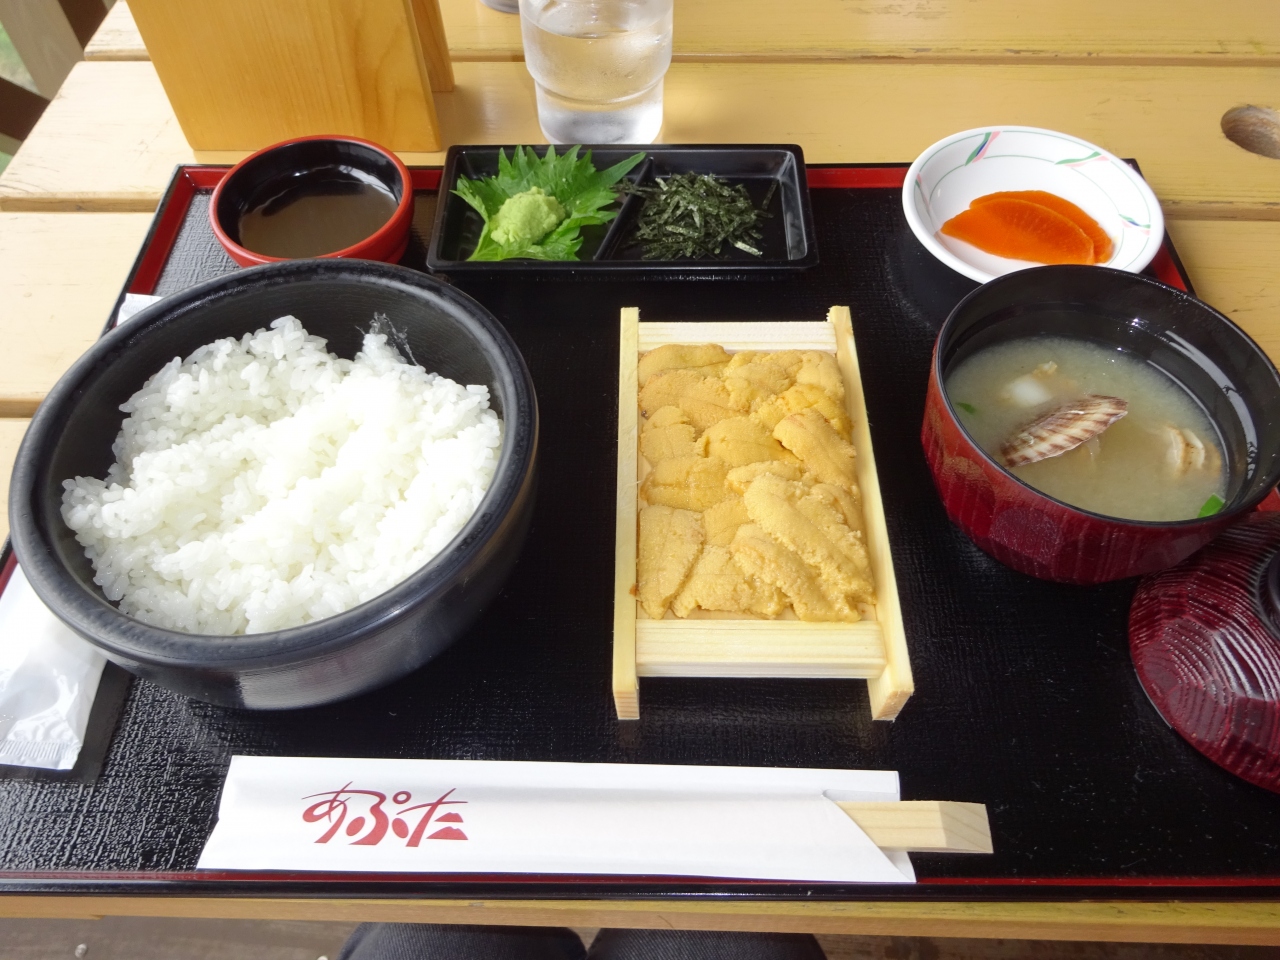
871 82
1179 32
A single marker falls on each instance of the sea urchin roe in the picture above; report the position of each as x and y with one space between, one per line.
749 500
1031 225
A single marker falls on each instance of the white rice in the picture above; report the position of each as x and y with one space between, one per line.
265 483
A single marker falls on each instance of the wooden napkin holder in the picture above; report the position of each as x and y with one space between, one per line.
243 74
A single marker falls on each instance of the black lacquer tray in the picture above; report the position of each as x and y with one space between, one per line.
1025 699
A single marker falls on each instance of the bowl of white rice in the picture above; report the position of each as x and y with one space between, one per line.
282 487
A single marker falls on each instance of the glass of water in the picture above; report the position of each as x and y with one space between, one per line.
598 67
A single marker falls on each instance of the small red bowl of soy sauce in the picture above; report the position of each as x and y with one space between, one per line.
314 197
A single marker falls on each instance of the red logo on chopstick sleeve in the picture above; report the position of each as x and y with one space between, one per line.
366 816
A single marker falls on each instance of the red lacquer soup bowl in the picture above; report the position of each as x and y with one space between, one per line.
1223 370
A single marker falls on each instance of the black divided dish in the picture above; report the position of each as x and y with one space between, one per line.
788 245
1025 700
355 651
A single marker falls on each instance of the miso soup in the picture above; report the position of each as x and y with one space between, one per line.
1162 460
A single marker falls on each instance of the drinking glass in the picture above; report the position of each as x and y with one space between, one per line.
598 67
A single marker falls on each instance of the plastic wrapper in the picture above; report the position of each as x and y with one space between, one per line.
48 675
48 680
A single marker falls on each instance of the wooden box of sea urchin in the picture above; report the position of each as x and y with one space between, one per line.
709 643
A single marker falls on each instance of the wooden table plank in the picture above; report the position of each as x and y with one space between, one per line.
1235 266
107 141
60 274
1133 922
938 31
117 37
975 31
11 433
110 141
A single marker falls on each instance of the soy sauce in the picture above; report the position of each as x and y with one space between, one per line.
322 214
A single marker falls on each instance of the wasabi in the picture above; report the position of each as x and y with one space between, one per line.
527 217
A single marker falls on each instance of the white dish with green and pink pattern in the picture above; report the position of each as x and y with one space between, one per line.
953 172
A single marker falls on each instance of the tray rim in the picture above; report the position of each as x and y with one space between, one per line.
189 178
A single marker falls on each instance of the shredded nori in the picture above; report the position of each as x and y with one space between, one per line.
693 215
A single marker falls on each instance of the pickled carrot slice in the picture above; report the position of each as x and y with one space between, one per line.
1021 230
1102 245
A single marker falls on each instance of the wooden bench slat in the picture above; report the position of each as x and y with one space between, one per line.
109 141
60 274
1096 32
11 434
1233 266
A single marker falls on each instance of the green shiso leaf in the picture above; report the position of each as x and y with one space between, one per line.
1211 506
582 190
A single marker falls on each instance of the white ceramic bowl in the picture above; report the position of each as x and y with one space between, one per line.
953 172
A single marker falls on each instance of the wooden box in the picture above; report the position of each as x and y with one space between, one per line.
874 649
243 74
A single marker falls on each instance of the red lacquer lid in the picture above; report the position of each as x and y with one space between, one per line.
1206 645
